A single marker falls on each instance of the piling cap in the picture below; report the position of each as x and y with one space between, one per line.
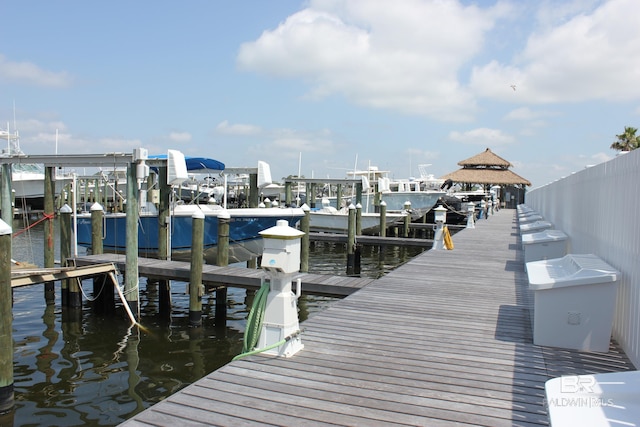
96 207
281 231
4 228
66 209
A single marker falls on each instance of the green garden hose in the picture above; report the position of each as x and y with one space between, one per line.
254 320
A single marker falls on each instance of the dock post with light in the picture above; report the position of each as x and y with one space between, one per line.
440 214
281 260
471 211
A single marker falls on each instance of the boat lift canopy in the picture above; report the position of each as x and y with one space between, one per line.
195 164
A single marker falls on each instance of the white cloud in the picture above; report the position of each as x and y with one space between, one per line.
589 56
237 129
378 56
482 136
28 73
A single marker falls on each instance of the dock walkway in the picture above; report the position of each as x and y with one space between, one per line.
443 340
212 275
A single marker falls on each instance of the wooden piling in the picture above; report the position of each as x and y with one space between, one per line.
359 192
65 249
131 289
103 292
288 194
383 219
6 205
223 239
351 240
305 223
222 260
358 219
254 194
49 261
196 288
6 320
407 219
164 252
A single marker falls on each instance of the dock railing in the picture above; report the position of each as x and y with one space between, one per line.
599 209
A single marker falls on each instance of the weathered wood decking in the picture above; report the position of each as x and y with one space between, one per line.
443 340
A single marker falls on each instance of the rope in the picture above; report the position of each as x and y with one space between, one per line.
46 216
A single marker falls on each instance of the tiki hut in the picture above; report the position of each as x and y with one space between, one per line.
487 169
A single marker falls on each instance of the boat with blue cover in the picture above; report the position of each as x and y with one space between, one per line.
245 224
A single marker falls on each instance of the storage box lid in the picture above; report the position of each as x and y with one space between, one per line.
530 218
543 237
538 225
570 270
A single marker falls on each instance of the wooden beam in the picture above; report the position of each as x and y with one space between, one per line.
42 275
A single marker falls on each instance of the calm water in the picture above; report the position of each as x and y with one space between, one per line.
98 371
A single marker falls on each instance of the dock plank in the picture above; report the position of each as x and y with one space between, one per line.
443 340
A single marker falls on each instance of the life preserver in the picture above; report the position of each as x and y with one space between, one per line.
448 243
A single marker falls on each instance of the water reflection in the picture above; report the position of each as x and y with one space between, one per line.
80 367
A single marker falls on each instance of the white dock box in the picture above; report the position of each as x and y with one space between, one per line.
600 400
547 244
574 301
530 218
534 227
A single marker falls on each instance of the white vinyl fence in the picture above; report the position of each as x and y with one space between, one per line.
599 209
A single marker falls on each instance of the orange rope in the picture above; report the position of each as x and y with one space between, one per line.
45 217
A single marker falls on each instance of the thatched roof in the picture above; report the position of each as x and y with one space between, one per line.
485 159
486 168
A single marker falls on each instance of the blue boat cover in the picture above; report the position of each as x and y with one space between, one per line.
196 163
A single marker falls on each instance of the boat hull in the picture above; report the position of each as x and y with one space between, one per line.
421 201
244 228
338 222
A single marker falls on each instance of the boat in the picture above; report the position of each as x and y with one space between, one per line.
27 179
245 225
377 185
244 241
328 219
456 202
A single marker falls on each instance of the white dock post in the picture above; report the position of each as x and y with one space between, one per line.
281 260
471 210
441 218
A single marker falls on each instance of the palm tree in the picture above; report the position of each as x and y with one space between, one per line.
627 140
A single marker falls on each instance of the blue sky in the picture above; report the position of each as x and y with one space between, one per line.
391 84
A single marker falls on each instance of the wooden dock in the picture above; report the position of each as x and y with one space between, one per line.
28 276
372 240
214 276
443 340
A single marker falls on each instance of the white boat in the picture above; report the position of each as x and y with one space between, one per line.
423 192
331 220
27 179
245 225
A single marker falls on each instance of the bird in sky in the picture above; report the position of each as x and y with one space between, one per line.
513 87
